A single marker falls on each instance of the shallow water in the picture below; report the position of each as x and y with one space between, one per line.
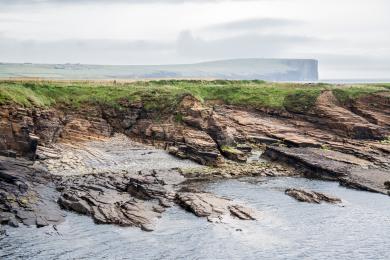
360 229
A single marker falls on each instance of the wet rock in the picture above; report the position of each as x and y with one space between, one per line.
231 169
387 184
234 154
25 195
373 180
115 154
204 204
3 232
311 196
137 199
349 170
131 199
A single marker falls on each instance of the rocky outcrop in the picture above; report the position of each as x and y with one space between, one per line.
16 136
330 141
26 195
204 204
351 171
121 199
311 196
374 108
202 131
23 129
137 199
343 121
181 141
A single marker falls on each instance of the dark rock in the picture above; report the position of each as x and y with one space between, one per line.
115 198
311 196
3 232
349 170
234 154
204 204
256 139
25 194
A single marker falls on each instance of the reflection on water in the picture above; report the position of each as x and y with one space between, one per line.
287 229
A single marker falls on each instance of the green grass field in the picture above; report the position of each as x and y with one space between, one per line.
162 95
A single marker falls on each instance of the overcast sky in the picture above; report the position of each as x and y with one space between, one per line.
350 38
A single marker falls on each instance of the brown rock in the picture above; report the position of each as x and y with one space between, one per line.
204 204
311 196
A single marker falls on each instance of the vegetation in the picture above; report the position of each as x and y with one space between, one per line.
386 140
229 149
346 94
165 94
301 100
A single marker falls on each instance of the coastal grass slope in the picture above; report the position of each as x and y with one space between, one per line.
166 94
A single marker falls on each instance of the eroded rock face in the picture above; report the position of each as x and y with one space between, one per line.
184 142
205 130
311 196
350 170
331 141
344 121
21 130
15 132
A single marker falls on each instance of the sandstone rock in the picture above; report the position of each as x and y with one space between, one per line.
121 199
184 142
331 165
343 121
204 204
234 154
311 196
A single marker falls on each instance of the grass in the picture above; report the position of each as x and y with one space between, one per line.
344 95
229 149
164 95
301 100
386 140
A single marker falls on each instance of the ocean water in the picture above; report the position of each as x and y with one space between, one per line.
359 228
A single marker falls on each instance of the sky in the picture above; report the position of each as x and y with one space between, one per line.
350 38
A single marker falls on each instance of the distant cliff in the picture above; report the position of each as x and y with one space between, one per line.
263 69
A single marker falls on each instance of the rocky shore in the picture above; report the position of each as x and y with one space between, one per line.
88 160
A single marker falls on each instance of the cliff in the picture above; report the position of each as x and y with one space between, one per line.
329 132
238 69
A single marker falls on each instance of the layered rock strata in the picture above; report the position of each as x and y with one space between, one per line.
311 196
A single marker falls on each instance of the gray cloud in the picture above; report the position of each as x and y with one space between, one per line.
254 24
97 51
34 2
354 62
244 46
187 48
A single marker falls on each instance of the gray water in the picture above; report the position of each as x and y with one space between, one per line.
287 229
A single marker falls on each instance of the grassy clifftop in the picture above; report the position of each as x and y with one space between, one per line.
157 95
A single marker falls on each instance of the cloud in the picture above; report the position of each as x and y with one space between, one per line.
98 51
240 46
254 24
186 48
35 2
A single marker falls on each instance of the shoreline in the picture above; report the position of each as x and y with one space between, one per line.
326 133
